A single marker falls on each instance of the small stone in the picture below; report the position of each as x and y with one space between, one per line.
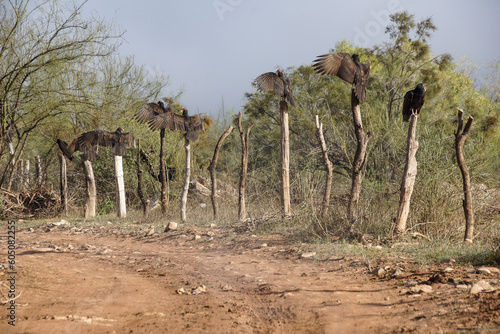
380 272
484 285
483 271
263 246
210 233
422 288
307 255
476 288
213 225
197 237
151 231
492 270
447 270
462 286
171 226
397 272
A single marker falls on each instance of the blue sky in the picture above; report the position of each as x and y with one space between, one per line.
214 49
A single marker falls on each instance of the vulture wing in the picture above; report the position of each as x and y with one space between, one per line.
270 81
361 80
339 64
407 105
148 112
66 149
168 120
88 144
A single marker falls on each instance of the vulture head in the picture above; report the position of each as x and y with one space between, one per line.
421 87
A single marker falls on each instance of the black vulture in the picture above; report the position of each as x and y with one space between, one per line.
347 68
413 102
275 82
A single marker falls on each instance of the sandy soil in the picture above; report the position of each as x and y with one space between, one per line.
103 280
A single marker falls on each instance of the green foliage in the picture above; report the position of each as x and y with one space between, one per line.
76 90
396 67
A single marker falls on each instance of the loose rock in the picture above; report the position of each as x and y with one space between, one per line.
422 288
307 255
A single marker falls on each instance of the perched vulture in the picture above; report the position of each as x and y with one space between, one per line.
275 82
413 102
347 68
88 143
160 117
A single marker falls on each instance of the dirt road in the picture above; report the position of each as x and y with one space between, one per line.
211 281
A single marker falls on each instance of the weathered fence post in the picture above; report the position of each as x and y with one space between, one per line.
163 174
460 137
63 182
285 160
121 206
91 193
38 171
409 175
140 190
187 175
359 162
242 210
329 168
212 170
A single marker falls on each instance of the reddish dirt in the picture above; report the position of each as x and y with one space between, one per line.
102 280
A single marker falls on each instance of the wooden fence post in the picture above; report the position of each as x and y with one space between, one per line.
140 190
187 175
409 175
38 172
91 193
329 168
212 170
460 137
121 206
242 210
285 160
163 174
359 162
63 182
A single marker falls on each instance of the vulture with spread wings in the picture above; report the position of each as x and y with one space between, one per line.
347 68
160 117
88 143
413 102
276 82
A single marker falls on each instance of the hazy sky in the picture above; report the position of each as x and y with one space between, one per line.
214 49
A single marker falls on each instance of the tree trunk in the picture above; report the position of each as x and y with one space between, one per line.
90 198
38 172
163 174
359 162
140 190
187 175
409 175
242 210
285 160
329 168
460 137
121 206
63 182
212 170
